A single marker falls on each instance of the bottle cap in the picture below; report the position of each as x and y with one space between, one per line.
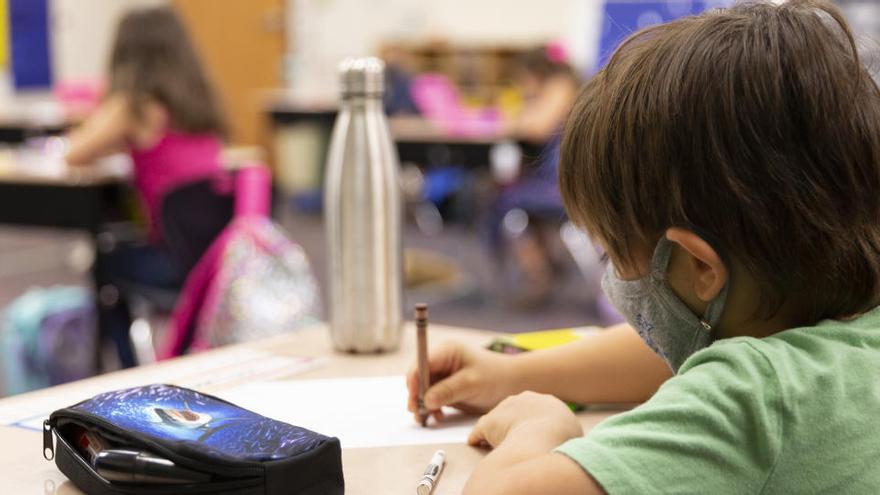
363 76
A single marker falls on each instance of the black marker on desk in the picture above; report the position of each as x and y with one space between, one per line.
132 466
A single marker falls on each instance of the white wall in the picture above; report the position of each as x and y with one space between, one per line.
82 34
322 32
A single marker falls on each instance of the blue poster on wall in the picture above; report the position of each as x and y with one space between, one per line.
29 50
621 18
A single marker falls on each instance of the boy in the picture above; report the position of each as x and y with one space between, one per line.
729 165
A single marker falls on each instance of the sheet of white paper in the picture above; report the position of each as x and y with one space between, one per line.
208 372
361 412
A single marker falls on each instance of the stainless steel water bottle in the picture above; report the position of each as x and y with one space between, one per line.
362 212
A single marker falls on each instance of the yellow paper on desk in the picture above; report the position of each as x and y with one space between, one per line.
533 341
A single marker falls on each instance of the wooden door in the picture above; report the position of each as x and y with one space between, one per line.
242 44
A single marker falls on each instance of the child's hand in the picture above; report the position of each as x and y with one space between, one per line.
544 416
471 379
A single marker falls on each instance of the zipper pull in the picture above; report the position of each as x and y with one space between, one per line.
48 445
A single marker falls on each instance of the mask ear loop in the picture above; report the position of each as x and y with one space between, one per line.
662 254
715 308
659 266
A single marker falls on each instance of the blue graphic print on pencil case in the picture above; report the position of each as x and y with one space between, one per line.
201 422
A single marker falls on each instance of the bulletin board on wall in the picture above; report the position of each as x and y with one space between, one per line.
28 42
620 18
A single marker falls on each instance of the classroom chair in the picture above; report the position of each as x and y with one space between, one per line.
253 281
192 217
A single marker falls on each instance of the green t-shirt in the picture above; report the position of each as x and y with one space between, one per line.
796 412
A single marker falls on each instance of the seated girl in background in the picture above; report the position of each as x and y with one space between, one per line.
549 86
162 109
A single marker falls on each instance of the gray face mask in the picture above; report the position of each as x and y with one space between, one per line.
662 320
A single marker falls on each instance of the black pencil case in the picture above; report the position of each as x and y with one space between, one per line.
240 451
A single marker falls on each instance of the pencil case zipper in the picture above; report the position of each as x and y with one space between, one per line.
224 485
219 467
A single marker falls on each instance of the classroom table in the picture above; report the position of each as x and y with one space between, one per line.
418 140
79 198
368 471
18 131
74 198
422 141
25 120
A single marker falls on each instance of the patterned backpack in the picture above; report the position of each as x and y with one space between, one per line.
252 282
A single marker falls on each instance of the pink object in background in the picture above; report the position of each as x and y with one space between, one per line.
79 97
252 282
253 191
557 53
176 159
439 101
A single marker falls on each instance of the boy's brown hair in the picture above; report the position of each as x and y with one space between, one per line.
153 59
757 126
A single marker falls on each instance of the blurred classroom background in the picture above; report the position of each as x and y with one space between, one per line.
476 94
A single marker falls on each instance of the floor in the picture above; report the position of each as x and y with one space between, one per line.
480 307
43 257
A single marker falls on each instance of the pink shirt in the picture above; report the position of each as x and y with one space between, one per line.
176 159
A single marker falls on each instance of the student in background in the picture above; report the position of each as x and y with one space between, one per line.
162 109
549 85
739 209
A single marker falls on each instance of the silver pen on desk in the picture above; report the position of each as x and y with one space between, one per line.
432 472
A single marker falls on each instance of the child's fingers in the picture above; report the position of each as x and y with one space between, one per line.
438 415
442 363
455 388
477 436
446 359
412 400
412 385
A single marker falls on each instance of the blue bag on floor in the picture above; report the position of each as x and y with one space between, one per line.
48 337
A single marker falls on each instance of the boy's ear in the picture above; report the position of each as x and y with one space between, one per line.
710 272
